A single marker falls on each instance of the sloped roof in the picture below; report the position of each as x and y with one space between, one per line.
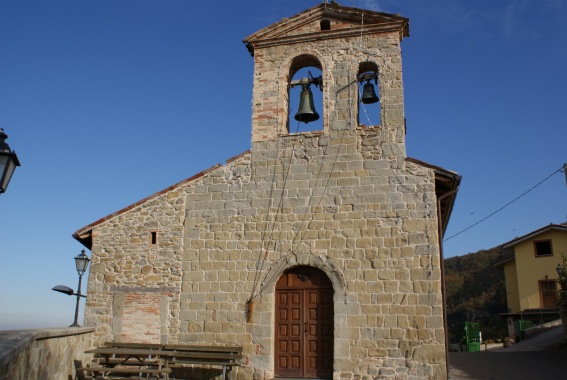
446 187
83 235
550 227
446 183
351 21
505 260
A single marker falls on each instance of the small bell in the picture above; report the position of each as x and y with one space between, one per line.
306 112
368 94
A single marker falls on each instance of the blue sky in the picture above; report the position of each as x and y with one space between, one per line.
109 101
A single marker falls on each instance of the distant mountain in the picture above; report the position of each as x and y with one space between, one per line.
476 292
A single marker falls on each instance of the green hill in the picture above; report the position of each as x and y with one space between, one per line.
475 292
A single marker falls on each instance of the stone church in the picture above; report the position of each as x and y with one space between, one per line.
319 251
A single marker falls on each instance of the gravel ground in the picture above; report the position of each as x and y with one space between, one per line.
542 357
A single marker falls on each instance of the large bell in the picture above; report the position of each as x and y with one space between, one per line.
368 94
306 112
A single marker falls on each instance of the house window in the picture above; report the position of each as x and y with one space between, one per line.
548 294
153 237
543 248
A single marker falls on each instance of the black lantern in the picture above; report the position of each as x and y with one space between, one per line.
559 269
82 262
8 162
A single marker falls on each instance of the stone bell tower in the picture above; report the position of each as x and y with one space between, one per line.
345 201
344 43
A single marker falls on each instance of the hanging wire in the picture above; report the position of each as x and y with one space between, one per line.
358 86
264 254
364 109
262 257
507 204
361 28
299 233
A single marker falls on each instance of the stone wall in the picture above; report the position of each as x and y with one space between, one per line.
44 354
125 262
341 61
132 279
344 200
370 226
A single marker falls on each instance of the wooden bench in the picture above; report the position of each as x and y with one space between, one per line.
149 346
159 359
134 361
189 355
117 359
98 371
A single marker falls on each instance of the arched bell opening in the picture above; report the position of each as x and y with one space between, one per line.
369 105
305 85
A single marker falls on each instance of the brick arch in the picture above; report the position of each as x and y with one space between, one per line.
367 66
288 68
303 60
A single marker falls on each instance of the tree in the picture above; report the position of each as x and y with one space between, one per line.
475 292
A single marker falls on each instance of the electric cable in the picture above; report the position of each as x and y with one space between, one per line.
506 205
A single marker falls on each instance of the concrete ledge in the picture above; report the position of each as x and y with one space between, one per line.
541 328
13 342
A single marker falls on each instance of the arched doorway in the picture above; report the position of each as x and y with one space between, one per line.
304 324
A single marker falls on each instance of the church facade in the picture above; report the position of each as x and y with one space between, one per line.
318 252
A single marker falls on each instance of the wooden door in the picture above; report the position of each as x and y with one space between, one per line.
548 294
304 324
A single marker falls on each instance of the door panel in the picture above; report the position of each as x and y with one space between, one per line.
304 324
548 294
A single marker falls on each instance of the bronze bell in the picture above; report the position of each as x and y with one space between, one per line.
306 112
368 94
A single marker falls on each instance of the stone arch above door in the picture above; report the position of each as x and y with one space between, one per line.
321 262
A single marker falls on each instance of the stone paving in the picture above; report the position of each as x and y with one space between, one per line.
543 356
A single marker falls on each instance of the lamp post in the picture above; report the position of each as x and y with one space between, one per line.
82 263
8 162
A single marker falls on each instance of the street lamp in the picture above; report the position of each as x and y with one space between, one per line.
559 269
8 162
82 263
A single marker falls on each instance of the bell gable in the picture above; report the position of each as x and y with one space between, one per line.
327 21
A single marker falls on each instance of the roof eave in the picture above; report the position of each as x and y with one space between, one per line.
84 235
447 185
532 234
388 23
